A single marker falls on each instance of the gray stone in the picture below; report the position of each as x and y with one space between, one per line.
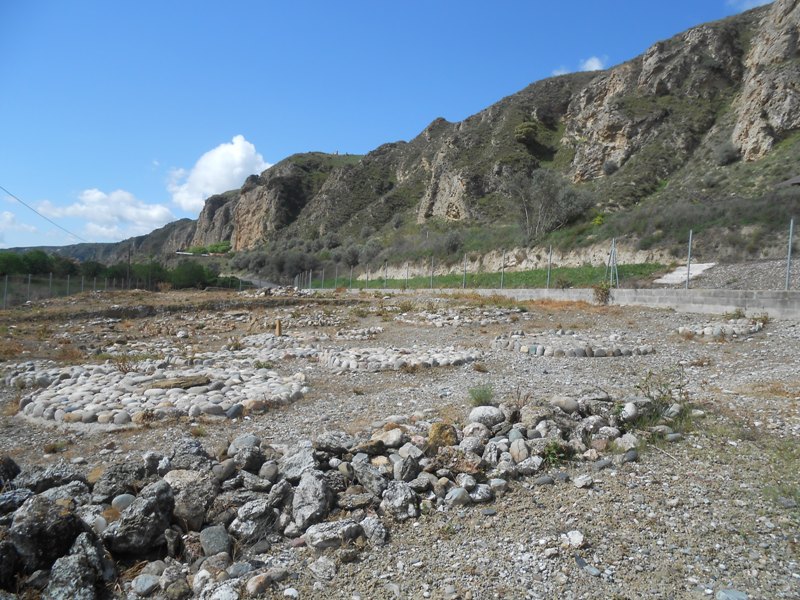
370 477
374 531
117 479
482 493
13 499
193 492
631 455
332 534
519 450
486 415
144 585
530 465
629 412
42 531
400 501
544 480
410 450
249 458
466 481
565 403
323 568
312 499
406 469
627 441
337 442
457 496
269 471
38 479
122 501
296 462
583 481
215 539
140 528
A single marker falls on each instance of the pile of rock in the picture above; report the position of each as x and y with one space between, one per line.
365 333
731 328
184 512
387 359
516 342
460 316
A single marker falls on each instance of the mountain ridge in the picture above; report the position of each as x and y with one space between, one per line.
583 153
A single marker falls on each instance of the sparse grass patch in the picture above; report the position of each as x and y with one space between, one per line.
556 453
10 349
263 364
70 353
198 431
55 447
481 395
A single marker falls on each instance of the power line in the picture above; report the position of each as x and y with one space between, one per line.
28 206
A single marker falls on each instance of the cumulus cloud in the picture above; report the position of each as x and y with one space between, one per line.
742 5
111 216
218 170
8 222
593 63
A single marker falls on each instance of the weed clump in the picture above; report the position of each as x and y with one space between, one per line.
481 395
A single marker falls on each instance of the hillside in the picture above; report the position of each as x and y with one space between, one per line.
696 132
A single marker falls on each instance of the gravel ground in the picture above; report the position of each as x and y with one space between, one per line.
717 511
756 275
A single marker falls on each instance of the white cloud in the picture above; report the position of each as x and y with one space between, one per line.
593 63
111 217
742 5
218 170
8 222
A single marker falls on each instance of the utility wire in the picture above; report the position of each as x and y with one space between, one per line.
28 206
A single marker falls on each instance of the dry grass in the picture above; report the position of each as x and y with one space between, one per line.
95 474
70 354
10 349
479 367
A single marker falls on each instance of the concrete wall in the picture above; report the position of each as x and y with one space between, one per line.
778 305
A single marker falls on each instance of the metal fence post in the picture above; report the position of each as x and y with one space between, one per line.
67 284
431 272
336 276
689 260
406 274
50 286
464 278
351 277
385 274
29 287
789 255
322 285
549 264
81 283
503 271
366 287
5 293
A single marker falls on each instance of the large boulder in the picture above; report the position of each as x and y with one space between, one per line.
82 574
39 479
194 492
43 531
140 528
120 478
312 499
487 415
296 462
332 534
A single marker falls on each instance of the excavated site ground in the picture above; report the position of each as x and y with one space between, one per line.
715 514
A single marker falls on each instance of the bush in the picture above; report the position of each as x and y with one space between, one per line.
481 395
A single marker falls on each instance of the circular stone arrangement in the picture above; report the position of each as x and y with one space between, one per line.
103 394
386 359
551 345
726 329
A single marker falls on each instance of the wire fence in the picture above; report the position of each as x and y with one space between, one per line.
19 289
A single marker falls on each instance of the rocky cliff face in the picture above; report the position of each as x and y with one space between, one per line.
768 106
621 134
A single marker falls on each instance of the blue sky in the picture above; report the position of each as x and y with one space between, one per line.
118 117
